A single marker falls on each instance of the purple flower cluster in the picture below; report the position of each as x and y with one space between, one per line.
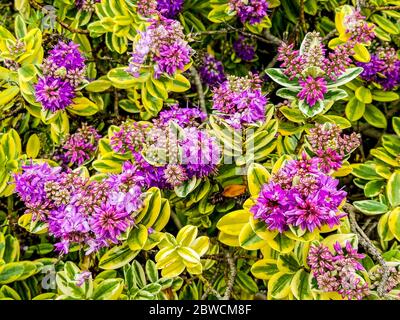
80 146
184 117
358 29
393 279
330 145
337 272
170 8
161 46
130 137
78 210
240 101
86 5
312 68
211 71
383 69
244 48
312 89
146 8
63 71
169 153
249 11
299 195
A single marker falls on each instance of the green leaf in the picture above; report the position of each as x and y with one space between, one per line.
187 187
117 257
385 24
311 111
347 76
233 222
300 285
279 77
354 109
292 114
384 96
178 84
383 228
137 237
98 86
246 283
219 14
8 94
335 94
33 146
122 79
10 272
279 285
396 125
287 93
394 223
151 271
83 107
257 176
375 117
370 207
264 269
363 94
393 189
288 263
109 289
249 240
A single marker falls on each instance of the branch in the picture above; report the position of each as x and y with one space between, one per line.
116 111
302 17
383 8
232 276
12 113
369 247
199 86
63 24
209 289
272 38
329 35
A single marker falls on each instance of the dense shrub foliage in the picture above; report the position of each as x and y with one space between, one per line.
199 149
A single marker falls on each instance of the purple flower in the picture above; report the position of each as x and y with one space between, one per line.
251 11
30 184
200 153
109 221
175 174
86 5
130 137
161 46
383 68
337 271
184 117
171 58
54 94
299 195
141 50
240 100
271 206
170 8
130 201
244 48
67 55
69 225
313 55
146 8
81 277
313 89
211 71
80 146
